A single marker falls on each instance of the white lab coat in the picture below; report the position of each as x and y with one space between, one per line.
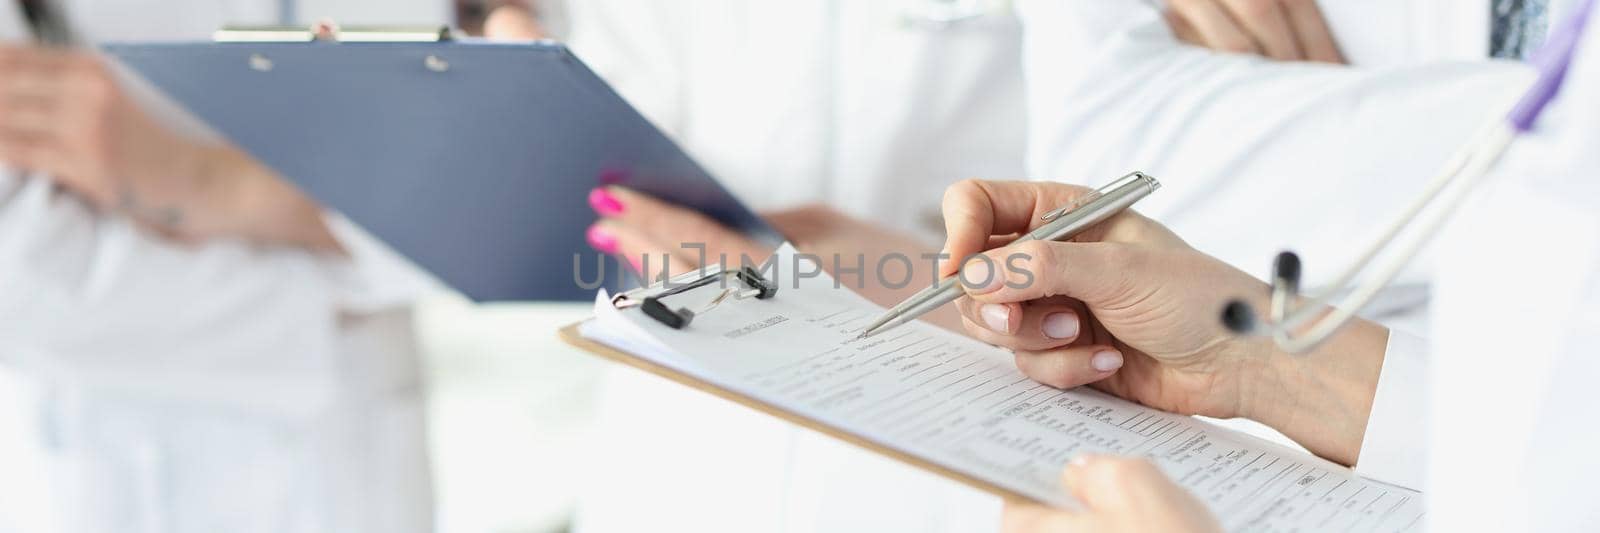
1506 385
1258 157
1501 444
214 387
834 101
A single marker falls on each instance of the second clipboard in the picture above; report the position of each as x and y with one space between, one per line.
472 159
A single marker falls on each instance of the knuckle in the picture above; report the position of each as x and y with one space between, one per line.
960 190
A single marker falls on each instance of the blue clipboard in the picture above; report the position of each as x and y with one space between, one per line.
472 159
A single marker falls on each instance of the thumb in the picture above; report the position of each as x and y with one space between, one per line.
1110 483
1096 273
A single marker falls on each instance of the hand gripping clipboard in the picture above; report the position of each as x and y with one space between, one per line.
472 159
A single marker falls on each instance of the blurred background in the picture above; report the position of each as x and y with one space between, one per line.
508 404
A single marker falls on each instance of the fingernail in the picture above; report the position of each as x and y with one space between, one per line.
602 240
603 202
979 277
1106 361
997 317
1060 325
1080 460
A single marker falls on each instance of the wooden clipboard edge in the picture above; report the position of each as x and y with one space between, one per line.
572 336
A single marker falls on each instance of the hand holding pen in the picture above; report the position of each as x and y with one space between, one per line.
1075 215
1129 308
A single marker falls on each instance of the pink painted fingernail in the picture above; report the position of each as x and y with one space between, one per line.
1106 361
602 240
1060 325
603 202
997 317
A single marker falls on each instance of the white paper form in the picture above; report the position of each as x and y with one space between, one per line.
962 404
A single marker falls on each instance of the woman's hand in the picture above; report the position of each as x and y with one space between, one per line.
1128 306
1119 494
63 114
1286 30
1133 310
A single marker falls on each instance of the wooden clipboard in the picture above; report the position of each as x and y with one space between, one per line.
571 335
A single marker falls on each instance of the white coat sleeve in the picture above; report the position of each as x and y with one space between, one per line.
1395 447
1255 156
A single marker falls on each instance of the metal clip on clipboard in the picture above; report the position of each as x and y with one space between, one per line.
351 34
649 299
333 33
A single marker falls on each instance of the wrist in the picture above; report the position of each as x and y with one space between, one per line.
1320 399
241 198
165 195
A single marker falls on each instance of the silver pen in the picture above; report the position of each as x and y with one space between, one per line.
1060 224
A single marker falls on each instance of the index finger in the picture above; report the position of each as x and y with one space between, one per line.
1316 39
1217 29
975 210
1269 25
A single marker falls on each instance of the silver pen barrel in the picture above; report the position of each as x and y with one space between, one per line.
1062 224
1114 198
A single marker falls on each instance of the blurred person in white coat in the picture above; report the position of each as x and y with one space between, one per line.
203 349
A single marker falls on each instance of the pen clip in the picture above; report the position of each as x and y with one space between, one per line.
1059 211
